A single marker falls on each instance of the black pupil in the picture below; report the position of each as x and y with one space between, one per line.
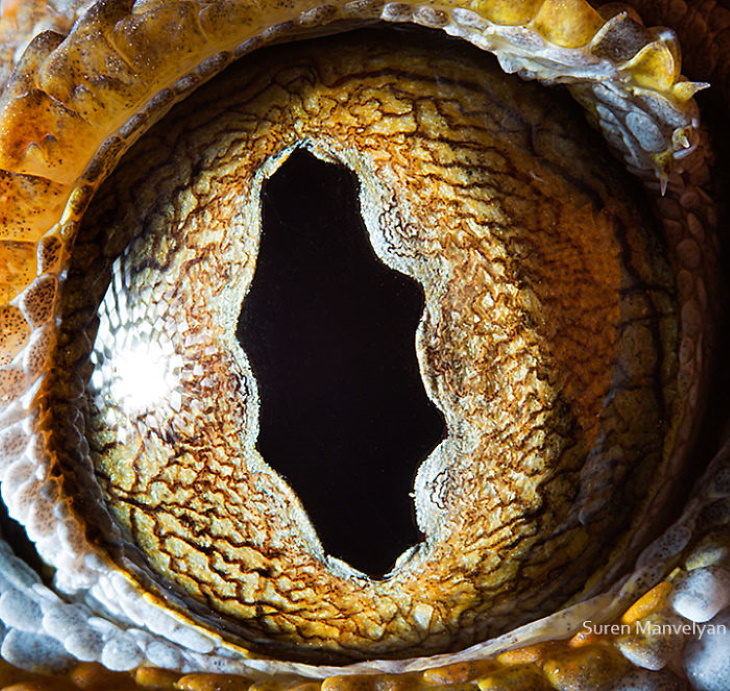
330 333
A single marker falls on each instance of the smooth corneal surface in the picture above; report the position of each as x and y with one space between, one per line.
590 379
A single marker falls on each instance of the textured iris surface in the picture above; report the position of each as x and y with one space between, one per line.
557 401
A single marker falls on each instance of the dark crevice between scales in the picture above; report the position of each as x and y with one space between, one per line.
15 535
330 330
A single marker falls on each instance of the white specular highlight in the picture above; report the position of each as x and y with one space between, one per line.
143 369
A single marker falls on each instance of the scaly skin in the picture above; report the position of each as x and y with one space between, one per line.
50 182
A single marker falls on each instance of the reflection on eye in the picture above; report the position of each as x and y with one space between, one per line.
560 340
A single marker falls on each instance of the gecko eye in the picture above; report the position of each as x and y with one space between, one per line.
554 398
366 357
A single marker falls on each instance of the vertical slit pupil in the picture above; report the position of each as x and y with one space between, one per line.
329 330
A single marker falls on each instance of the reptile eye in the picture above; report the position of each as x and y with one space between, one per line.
539 322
